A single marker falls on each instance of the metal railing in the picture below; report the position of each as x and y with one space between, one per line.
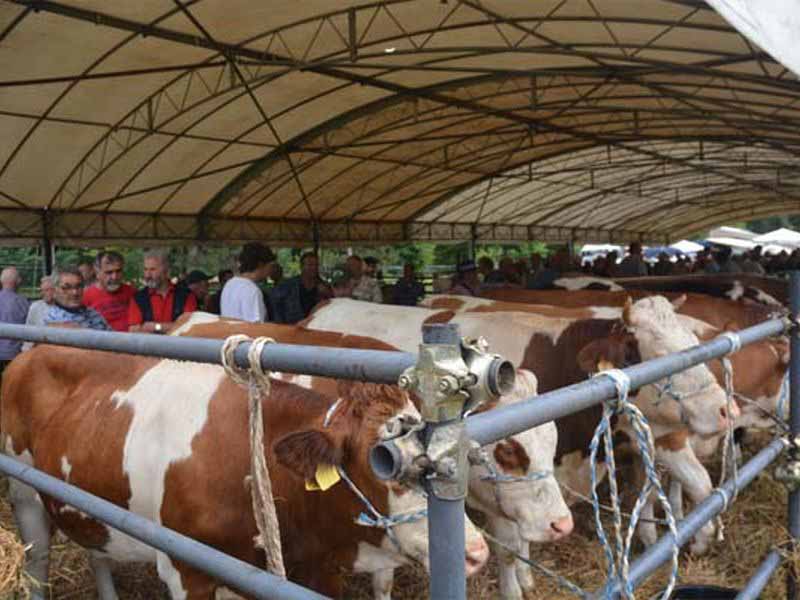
446 376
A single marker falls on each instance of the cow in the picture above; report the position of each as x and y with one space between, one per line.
519 506
168 440
561 350
758 369
718 312
768 291
585 282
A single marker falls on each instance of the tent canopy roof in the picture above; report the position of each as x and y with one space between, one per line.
387 120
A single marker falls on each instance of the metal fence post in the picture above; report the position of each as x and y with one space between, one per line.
794 423
445 507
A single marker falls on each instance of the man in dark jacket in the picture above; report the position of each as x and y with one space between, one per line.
292 300
155 307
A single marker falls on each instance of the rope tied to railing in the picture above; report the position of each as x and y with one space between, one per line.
256 380
618 555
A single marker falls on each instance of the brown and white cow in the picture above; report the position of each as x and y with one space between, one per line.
168 440
758 376
562 350
520 508
759 289
758 368
718 312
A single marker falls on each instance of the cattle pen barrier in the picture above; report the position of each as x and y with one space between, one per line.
445 376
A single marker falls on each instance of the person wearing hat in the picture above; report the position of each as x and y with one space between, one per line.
197 282
241 296
155 307
466 282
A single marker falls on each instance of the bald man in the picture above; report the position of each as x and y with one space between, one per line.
13 309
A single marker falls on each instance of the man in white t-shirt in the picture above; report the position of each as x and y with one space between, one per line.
241 296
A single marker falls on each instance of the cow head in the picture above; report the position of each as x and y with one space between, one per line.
344 441
518 483
762 389
652 330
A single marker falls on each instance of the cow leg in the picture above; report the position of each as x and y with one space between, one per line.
524 572
101 565
685 468
648 533
676 499
382 582
33 523
506 531
184 582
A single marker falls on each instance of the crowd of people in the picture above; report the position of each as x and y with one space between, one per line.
719 260
95 295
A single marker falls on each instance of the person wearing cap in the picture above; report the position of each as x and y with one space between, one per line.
241 296
197 282
110 296
155 307
466 281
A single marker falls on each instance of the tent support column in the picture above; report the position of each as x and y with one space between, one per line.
47 244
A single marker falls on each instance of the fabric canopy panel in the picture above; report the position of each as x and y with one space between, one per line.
387 121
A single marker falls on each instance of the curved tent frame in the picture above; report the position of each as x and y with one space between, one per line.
387 121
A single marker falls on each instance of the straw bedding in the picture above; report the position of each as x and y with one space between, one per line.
754 525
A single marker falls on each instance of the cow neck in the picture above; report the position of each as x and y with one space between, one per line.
375 519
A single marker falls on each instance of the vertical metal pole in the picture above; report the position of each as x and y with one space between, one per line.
794 423
47 245
316 236
445 517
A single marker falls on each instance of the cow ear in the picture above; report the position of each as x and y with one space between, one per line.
304 451
731 326
601 355
678 302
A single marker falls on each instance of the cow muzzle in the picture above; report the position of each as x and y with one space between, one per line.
477 554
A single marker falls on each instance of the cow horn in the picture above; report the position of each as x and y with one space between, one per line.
626 312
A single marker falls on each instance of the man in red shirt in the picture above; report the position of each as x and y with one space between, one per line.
155 307
110 296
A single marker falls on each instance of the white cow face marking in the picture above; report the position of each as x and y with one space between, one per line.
535 505
692 395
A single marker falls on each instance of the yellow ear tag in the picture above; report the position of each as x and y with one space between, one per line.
325 478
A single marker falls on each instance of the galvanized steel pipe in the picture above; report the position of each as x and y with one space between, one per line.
379 366
499 423
756 584
239 575
660 552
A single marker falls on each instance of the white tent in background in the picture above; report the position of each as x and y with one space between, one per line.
732 233
687 247
782 237
732 242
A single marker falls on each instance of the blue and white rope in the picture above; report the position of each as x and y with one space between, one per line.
618 555
377 519
496 477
